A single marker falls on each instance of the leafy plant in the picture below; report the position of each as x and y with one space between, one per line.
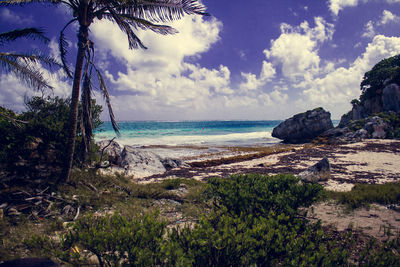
262 195
365 194
32 143
386 70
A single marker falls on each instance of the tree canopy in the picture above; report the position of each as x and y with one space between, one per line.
386 70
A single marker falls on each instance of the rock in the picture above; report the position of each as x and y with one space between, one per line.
170 163
318 172
304 127
386 99
113 151
136 161
391 98
141 163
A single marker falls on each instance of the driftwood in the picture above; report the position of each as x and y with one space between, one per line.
98 165
39 205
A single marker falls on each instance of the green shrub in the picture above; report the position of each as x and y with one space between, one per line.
32 143
115 239
365 194
256 222
262 195
384 255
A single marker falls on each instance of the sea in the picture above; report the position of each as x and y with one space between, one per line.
189 138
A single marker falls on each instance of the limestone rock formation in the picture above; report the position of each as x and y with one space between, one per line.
318 172
136 162
386 99
304 127
113 150
141 163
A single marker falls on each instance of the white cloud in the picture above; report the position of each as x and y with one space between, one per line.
336 89
369 30
388 17
12 17
296 49
336 5
160 79
13 90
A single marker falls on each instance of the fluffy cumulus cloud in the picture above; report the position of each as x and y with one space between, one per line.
162 83
160 79
296 49
336 5
13 91
336 89
369 30
388 17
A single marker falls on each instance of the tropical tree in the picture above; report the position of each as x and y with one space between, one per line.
23 64
129 15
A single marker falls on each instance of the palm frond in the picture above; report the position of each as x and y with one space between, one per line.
145 25
23 70
162 10
33 57
62 46
106 96
32 33
133 40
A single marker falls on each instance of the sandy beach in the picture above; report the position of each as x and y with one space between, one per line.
370 161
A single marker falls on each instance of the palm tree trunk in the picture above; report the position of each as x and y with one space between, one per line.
83 37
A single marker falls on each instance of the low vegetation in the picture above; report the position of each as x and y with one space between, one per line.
365 194
242 220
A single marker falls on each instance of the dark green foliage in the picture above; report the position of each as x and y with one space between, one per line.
387 254
263 233
386 69
393 119
262 195
256 221
115 239
364 194
32 143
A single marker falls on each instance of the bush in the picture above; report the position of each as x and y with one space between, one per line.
32 143
263 233
115 239
256 222
365 194
262 195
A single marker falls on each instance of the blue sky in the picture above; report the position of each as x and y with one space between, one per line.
250 60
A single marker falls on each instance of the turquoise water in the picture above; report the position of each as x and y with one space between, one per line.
207 133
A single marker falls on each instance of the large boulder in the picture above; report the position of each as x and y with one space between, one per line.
387 99
141 163
318 172
304 127
113 151
391 98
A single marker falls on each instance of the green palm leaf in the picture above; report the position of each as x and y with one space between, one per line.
17 64
32 33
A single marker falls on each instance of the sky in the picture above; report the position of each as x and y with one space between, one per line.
249 60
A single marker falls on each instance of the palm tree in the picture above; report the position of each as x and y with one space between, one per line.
129 15
23 64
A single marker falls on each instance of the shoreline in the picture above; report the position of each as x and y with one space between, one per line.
369 161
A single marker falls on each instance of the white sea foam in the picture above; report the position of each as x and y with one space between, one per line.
240 139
